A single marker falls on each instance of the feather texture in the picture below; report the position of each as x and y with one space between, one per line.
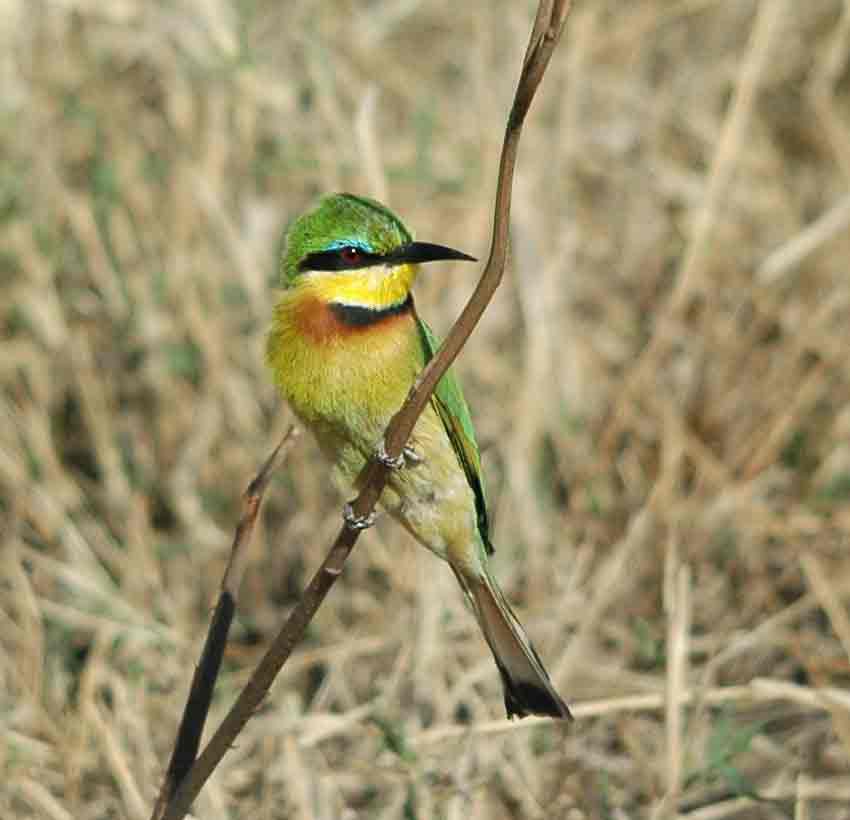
345 346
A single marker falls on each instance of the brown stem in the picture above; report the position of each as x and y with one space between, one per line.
203 681
548 26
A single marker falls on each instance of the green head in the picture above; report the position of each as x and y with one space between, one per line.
347 232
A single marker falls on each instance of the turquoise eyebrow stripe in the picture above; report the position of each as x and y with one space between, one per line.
349 243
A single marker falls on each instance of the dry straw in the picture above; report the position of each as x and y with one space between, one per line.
660 387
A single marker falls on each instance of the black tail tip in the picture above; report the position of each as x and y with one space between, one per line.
523 699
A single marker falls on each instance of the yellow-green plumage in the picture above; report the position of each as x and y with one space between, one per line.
345 346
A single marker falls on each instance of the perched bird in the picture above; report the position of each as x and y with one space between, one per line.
345 346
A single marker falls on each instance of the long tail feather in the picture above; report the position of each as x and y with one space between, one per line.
528 689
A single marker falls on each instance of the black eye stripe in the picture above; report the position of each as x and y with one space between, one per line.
335 260
351 257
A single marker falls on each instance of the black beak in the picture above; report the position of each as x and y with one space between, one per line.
426 252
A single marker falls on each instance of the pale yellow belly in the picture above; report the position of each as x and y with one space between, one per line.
346 394
431 498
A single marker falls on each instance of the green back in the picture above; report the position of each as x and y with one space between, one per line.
451 406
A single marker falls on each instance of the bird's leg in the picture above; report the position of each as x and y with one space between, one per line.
357 522
407 457
386 459
411 456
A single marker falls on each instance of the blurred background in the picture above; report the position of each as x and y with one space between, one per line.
660 387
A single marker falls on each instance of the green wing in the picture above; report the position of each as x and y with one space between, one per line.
451 406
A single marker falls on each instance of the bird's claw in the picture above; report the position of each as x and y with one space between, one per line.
411 456
357 522
387 460
408 457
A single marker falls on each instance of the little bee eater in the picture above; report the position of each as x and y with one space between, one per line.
345 346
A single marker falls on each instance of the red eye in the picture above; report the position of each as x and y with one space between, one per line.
350 255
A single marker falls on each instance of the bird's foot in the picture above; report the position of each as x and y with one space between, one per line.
357 522
408 457
392 463
411 456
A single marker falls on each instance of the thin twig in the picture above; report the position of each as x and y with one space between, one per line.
758 690
200 694
548 27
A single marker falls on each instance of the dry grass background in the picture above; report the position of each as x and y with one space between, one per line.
661 388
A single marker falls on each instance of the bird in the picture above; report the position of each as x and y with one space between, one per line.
345 346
